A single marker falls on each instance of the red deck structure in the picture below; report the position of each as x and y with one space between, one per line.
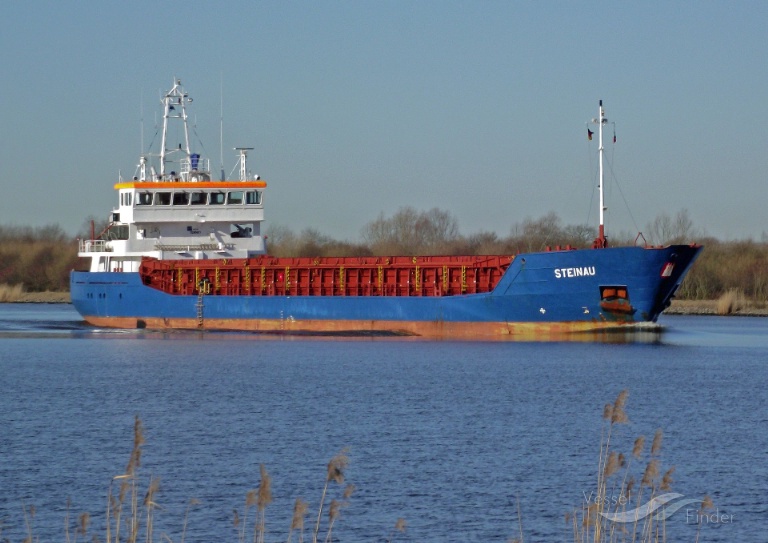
342 276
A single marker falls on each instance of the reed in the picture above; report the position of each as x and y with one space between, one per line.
730 302
400 526
592 522
300 509
263 499
335 474
11 293
612 518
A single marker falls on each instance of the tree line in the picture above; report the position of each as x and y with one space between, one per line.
40 258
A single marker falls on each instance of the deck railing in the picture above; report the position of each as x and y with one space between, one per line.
93 246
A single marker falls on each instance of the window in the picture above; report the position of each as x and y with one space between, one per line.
144 199
216 198
197 198
235 197
162 198
253 197
128 199
180 198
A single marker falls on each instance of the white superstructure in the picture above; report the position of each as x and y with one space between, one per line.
173 210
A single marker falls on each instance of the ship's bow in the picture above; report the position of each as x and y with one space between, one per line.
677 262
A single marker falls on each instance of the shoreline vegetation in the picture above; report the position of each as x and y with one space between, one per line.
730 277
628 502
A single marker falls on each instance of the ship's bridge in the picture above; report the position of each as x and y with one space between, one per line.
212 201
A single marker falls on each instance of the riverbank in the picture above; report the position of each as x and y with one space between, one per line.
711 307
678 307
35 297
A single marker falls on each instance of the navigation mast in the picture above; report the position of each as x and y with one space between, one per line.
601 241
175 98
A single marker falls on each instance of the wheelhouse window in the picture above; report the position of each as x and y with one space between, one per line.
253 197
197 198
216 198
144 199
162 198
180 198
235 198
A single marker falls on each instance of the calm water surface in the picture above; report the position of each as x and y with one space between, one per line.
447 435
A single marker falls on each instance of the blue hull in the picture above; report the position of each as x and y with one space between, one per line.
563 288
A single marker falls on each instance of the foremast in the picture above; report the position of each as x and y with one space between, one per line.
601 241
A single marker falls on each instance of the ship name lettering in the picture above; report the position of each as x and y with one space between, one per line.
574 272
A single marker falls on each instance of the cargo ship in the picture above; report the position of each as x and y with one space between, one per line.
185 251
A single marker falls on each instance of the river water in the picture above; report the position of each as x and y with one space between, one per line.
450 436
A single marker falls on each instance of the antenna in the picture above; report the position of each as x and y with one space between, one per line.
141 110
221 127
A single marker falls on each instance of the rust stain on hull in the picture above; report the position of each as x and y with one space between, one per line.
522 331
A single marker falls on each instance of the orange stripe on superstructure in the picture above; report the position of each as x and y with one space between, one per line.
191 185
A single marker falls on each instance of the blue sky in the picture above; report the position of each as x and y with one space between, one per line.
360 107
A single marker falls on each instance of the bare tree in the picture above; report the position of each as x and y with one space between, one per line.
665 229
410 231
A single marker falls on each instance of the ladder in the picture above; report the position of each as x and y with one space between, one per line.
199 307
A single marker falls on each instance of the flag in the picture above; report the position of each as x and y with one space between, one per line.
589 134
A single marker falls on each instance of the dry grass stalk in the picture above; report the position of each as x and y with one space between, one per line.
706 504
595 523
348 490
251 498
235 518
731 301
612 465
265 489
263 499
614 414
11 293
29 514
619 416
651 473
150 505
193 502
300 509
637 450
666 480
128 490
334 510
336 467
82 525
656 444
66 520
400 526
